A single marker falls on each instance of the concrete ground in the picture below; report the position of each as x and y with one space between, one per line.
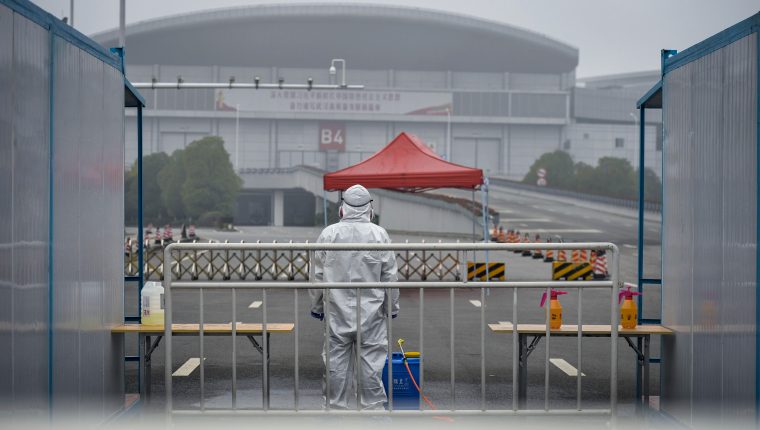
524 211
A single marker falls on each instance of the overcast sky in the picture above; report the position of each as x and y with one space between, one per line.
612 36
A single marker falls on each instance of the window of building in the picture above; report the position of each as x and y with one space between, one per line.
566 144
619 142
585 135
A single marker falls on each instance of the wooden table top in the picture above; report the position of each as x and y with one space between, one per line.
242 328
572 330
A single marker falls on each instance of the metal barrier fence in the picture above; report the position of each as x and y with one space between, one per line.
613 284
268 264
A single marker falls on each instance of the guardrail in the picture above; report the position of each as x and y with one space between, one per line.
268 264
632 204
171 286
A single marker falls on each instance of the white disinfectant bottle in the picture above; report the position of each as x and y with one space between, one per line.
152 303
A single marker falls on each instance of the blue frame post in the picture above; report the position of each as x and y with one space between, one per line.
140 239
640 244
640 257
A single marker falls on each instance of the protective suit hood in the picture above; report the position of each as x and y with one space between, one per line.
357 205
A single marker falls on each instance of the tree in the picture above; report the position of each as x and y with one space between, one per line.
171 179
154 210
210 182
584 177
652 185
614 177
560 170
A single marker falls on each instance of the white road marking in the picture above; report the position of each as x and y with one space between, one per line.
507 221
565 367
565 230
505 322
523 225
255 304
186 369
627 245
585 217
475 303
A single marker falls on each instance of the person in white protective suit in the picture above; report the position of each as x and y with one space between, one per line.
355 266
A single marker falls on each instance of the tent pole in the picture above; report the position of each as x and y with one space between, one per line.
473 215
484 209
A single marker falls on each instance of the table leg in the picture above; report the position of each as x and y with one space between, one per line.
147 369
141 346
522 380
639 370
645 386
267 364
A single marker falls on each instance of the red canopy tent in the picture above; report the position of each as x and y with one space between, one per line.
405 164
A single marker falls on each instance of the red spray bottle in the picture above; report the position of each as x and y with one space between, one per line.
629 313
555 308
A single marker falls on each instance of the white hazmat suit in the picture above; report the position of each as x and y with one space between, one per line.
355 266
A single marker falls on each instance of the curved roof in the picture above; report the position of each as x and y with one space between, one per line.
368 36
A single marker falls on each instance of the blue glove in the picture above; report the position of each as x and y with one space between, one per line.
393 317
318 316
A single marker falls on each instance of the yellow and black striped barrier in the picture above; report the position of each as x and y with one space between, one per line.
571 271
496 271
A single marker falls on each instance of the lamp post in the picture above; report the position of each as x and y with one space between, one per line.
237 138
333 70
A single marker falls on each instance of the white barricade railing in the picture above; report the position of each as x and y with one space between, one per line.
612 284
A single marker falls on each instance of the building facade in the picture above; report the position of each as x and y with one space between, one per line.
480 93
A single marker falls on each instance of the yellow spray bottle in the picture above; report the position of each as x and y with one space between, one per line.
555 308
629 313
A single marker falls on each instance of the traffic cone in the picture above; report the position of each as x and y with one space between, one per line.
549 253
502 237
561 255
517 240
600 266
157 237
538 253
584 256
576 256
191 231
526 239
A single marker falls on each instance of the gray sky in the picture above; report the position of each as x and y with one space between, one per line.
613 36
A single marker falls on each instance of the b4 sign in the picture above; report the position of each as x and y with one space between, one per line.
332 136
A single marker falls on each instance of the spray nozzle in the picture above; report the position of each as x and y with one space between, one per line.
401 347
555 293
627 293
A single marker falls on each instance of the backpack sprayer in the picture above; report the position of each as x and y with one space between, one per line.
411 376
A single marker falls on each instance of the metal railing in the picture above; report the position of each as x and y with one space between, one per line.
267 264
612 284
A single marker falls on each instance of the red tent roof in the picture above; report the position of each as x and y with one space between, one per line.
405 164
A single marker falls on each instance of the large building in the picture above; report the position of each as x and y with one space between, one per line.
481 93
